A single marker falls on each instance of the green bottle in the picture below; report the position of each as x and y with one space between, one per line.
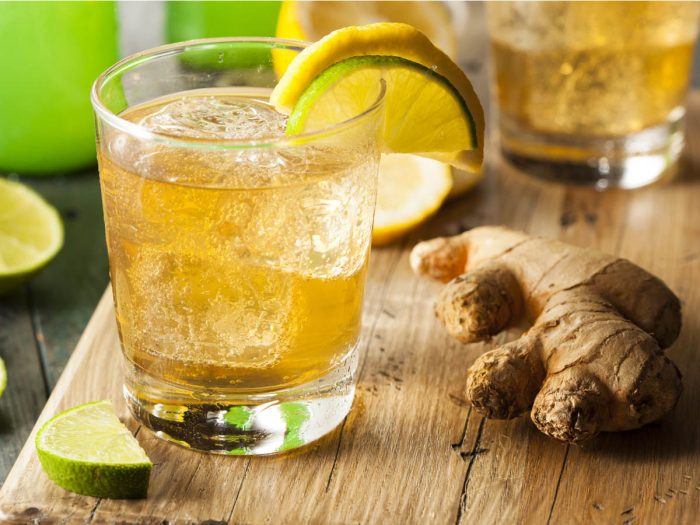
51 54
191 20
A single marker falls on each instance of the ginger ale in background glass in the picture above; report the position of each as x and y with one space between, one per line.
593 92
238 254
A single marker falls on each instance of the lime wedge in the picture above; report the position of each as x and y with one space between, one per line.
431 107
31 234
414 94
87 450
3 376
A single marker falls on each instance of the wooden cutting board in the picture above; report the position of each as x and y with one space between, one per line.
412 450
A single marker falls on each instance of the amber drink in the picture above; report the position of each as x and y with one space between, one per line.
593 92
238 255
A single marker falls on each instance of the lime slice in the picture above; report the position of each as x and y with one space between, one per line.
3 377
89 451
411 189
414 94
431 107
31 234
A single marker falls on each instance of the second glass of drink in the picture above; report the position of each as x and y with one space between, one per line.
593 92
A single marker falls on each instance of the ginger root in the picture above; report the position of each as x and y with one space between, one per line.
593 358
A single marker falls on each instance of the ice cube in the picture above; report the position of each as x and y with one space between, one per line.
216 118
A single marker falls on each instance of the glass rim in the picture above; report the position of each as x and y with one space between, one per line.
269 141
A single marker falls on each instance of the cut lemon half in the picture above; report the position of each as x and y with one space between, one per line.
31 234
463 181
87 450
311 20
431 107
411 189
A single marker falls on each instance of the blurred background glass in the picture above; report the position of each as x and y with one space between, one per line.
593 92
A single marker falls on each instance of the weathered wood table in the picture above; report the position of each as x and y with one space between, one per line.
412 450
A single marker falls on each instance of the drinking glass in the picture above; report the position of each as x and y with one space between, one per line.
593 92
238 254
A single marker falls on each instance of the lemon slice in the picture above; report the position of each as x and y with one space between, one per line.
311 20
411 189
87 450
431 107
31 234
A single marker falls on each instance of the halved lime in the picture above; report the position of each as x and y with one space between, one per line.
31 234
87 450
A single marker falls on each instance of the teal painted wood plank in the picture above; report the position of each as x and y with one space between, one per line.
63 297
26 391
41 323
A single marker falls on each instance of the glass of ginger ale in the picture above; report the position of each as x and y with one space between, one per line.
593 92
238 254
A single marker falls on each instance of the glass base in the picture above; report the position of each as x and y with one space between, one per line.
628 162
242 423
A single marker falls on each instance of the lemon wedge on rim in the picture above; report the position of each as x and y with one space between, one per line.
431 107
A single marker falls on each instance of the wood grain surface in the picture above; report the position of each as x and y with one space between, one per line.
412 450
41 323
